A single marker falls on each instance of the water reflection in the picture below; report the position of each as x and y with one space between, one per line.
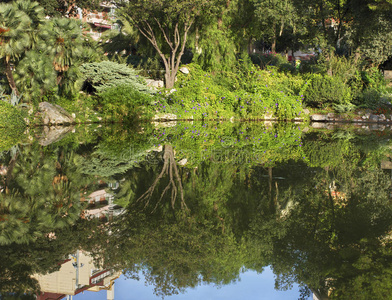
199 204
76 275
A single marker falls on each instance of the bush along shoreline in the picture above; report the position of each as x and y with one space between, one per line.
115 93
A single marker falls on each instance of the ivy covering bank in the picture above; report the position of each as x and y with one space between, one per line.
247 93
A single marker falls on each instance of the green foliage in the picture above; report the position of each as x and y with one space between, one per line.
323 91
344 108
248 93
232 143
373 78
375 42
371 89
118 42
370 98
92 50
15 38
84 107
63 42
51 67
106 74
272 59
217 50
147 66
123 103
12 125
36 77
322 153
166 26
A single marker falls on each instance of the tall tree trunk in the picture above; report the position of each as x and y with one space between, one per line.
273 45
10 77
250 45
357 55
170 78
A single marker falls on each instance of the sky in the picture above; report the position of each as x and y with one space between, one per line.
250 286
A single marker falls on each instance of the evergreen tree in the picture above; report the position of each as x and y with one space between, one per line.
64 43
14 38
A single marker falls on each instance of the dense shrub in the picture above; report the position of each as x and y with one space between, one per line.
82 105
249 93
373 78
106 74
10 117
323 91
123 103
12 125
273 59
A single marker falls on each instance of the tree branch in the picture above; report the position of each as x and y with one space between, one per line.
164 34
186 29
153 41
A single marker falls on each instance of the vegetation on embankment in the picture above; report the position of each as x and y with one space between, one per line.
12 125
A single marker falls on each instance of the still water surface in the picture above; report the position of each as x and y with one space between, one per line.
197 211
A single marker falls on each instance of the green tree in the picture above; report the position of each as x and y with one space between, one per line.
370 35
166 26
274 17
14 38
63 41
35 76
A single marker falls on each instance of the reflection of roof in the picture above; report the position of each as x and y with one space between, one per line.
97 194
103 25
50 296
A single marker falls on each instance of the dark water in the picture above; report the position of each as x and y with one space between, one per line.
197 211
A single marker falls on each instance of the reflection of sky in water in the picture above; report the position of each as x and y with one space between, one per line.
251 286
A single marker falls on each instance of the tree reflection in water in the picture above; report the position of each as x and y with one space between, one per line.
321 219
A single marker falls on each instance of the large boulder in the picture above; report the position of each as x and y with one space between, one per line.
53 114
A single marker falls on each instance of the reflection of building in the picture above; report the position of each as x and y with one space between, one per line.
76 275
100 203
100 197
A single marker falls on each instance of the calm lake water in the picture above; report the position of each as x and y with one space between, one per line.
197 211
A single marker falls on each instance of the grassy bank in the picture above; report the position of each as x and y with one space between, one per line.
12 126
